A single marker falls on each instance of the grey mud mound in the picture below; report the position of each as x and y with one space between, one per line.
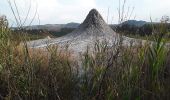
93 28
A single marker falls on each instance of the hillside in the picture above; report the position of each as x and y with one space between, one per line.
41 31
50 27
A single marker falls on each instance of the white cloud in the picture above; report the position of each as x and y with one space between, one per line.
53 11
58 12
64 11
152 8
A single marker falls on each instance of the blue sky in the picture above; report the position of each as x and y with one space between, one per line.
65 11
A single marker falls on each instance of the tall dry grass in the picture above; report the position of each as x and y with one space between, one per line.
107 73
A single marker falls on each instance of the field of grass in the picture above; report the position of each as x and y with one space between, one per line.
107 73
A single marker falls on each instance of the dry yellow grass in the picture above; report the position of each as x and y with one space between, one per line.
42 55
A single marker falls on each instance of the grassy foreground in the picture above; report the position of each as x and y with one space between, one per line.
107 73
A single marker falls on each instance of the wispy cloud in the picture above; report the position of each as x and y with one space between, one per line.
64 11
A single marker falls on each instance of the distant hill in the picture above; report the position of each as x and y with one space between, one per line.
71 25
137 27
128 24
41 31
50 27
134 23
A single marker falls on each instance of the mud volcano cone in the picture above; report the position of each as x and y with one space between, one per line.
93 25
